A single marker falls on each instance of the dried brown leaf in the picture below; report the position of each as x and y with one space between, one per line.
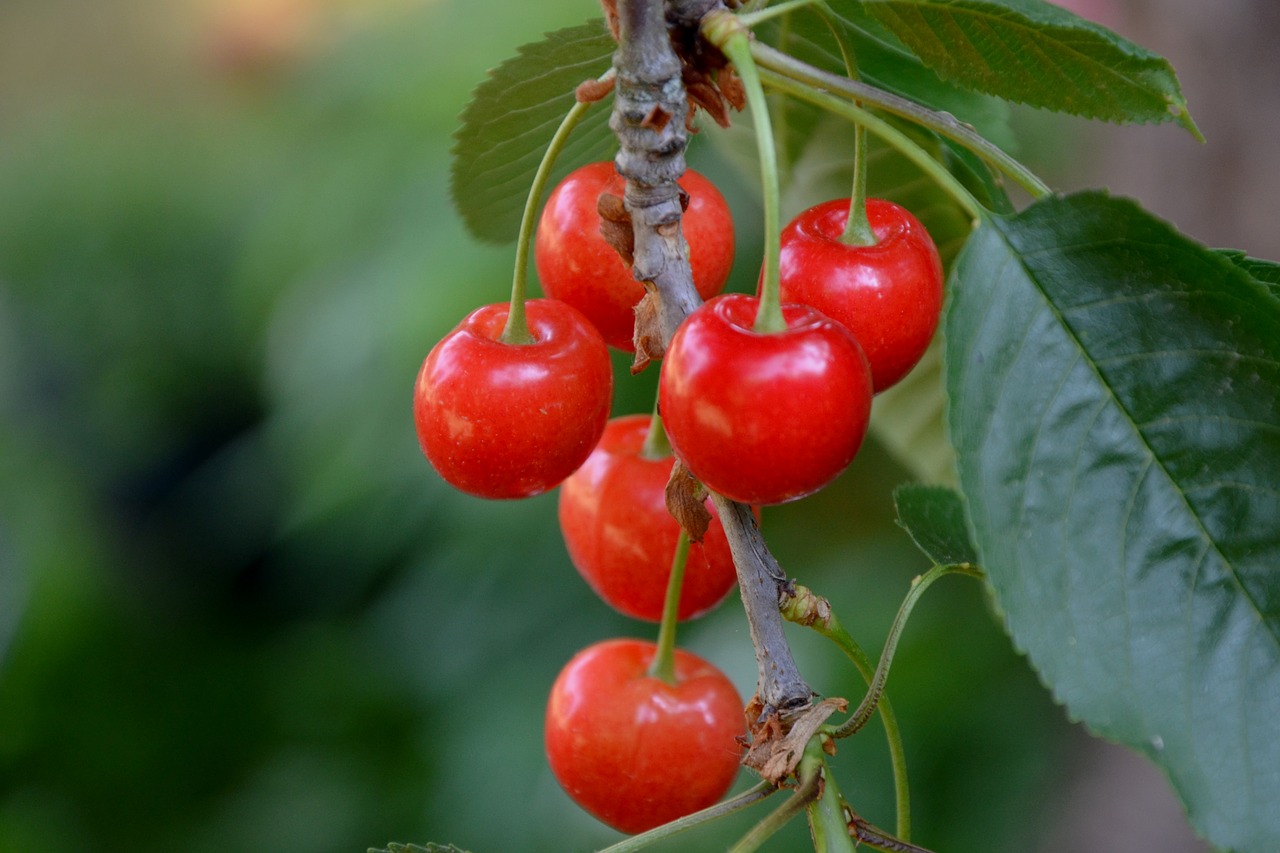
686 501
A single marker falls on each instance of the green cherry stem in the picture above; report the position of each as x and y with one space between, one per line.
724 30
751 19
516 331
749 797
656 445
828 825
809 774
664 662
943 124
867 708
857 231
803 608
885 131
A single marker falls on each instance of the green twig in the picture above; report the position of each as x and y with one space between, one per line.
516 330
943 124
749 797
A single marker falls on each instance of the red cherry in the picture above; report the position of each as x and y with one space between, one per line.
764 418
620 537
889 295
576 265
635 751
501 420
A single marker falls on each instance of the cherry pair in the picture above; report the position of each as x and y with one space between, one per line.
770 417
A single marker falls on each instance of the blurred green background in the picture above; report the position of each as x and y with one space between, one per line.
238 611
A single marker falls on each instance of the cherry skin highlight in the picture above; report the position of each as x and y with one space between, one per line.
635 751
621 538
764 418
889 294
576 265
499 420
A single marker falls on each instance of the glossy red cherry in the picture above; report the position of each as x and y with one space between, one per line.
635 751
621 538
764 418
889 294
500 420
576 265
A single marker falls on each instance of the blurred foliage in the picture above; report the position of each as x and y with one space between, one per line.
238 612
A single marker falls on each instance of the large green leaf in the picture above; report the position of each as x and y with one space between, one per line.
1114 397
1036 53
511 118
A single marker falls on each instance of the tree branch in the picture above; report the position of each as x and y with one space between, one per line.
762 581
648 119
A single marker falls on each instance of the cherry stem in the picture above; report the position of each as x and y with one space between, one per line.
828 824
809 774
727 32
857 231
943 124
664 662
656 446
913 152
749 797
802 608
750 19
516 331
875 691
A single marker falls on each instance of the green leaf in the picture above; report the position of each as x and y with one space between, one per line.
885 62
414 848
510 121
934 518
1036 53
1266 273
1114 390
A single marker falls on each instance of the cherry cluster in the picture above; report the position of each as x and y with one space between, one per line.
511 405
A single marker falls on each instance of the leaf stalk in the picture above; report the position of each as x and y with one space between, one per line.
913 152
943 124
